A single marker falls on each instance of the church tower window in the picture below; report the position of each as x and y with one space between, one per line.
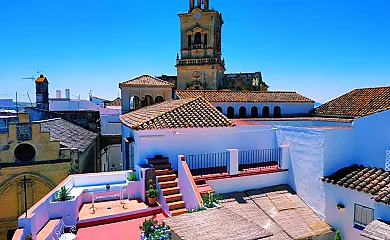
189 41
205 39
198 38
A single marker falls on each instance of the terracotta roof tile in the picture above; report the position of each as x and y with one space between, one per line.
243 96
373 181
377 229
114 103
357 103
183 113
145 81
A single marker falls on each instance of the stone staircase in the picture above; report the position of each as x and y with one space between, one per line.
168 182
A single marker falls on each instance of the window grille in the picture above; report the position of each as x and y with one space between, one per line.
363 215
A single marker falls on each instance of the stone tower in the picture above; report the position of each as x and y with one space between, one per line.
200 64
42 92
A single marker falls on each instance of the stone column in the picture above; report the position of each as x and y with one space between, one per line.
232 161
192 4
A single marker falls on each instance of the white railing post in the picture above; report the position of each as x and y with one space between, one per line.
285 157
232 161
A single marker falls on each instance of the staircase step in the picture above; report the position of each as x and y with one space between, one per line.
157 161
173 198
164 172
178 211
176 205
170 191
161 166
168 184
165 178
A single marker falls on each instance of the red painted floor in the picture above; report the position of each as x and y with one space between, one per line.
126 230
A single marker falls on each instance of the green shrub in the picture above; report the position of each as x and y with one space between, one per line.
62 195
337 236
132 177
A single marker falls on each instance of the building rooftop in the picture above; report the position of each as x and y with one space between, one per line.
145 81
244 96
41 79
373 181
357 103
114 103
183 113
69 134
271 213
377 230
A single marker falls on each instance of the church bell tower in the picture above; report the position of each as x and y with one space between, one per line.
200 64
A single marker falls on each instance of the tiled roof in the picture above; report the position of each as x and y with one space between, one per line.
183 113
69 134
115 103
145 81
373 181
377 230
357 103
243 96
40 79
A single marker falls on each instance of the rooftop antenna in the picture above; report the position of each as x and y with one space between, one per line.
29 99
29 78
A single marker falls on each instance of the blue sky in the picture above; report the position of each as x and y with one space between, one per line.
320 48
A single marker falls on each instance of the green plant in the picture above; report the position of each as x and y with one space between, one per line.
192 210
152 192
337 236
153 231
62 195
210 199
132 177
28 237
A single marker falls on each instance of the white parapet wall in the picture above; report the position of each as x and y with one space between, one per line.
242 183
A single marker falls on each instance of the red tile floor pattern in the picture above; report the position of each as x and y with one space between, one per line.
125 230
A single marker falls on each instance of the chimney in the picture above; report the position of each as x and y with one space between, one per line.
67 93
58 93
42 92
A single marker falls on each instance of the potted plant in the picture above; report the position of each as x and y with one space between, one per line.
63 195
28 237
152 193
337 236
210 200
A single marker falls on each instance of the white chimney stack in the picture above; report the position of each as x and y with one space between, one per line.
67 93
58 93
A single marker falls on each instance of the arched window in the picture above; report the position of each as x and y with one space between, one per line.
198 38
242 112
205 39
265 112
254 112
24 152
159 99
134 103
219 109
189 41
230 112
148 100
277 111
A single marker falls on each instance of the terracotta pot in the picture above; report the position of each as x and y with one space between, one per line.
152 201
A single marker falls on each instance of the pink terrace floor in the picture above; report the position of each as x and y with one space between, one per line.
125 230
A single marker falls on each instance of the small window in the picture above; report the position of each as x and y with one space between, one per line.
363 215
189 41
198 38
24 152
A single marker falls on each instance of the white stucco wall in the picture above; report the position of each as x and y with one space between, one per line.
286 108
174 142
65 105
372 139
306 147
382 211
235 184
343 219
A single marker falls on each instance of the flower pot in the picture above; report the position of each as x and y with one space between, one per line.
152 201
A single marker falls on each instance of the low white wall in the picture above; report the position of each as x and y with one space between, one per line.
343 219
100 179
174 142
186 188
236 184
